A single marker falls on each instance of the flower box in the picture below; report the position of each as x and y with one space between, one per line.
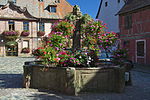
40 33
10 35
25 33
25 50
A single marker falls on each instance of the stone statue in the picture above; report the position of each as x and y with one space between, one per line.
77 19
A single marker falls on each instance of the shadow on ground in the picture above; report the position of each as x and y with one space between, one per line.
11 80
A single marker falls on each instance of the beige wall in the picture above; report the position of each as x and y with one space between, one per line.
19 26
3 26
47 28
33 30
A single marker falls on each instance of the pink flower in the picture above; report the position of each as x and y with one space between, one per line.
63 53
99 37
100 41
57 59
106 40
60 44
56 48
94 33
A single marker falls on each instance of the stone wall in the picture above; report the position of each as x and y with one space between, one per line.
75 80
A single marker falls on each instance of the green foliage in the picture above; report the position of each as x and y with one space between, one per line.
70 17
64 27
120 55
86 18
95 36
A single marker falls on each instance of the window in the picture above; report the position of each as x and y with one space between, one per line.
11 25
52 9
128 21
25 26
106 4
140 48
25 44
40 0
41 27
57 1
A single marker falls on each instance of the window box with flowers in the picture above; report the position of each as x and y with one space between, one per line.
40 33
10 35
25 50
25 33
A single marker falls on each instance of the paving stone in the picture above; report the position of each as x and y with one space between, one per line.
11 70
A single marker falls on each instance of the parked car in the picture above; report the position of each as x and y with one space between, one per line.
105 57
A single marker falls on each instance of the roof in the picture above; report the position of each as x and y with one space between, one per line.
134 5
39 9
99 9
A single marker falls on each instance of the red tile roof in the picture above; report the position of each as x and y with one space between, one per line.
132 5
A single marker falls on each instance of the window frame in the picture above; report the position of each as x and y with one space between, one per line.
11 25
143 48
27 41
51 10
42 26
26 26
106 4
128 21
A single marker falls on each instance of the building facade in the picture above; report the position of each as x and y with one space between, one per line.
107 13
134 23
30 20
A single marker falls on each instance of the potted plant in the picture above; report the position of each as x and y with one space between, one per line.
25 50
25 33
40 33
10 35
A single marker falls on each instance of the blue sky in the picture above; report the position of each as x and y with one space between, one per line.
87 6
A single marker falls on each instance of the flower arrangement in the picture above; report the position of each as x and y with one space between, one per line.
120 55
25 33
25 50
40 33
38 52
10 35
54 52
64 27
95 37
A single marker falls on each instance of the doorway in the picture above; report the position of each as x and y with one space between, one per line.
141 51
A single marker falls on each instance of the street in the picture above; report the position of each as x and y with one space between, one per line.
11 70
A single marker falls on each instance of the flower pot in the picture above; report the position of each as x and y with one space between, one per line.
25 50
25 33
40 33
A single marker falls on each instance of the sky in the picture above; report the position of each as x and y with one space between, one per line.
87 6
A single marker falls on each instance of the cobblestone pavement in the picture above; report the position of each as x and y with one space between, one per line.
11 85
